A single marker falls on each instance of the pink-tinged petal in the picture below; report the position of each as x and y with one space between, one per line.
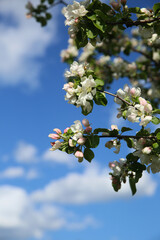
57 130
54 136
142 101
78 154
66 130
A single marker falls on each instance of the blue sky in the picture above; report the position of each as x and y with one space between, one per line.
49 195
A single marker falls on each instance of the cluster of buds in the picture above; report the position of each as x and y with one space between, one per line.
82 91
138 110
72 139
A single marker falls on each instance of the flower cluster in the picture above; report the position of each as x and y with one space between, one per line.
138 108
83 90
118 167
145 151
72 139
72 14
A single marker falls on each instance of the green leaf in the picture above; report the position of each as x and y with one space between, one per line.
92 141
155 145
132 185
155 120
48 16
157 28
158 135
129 142
100 130
125 129
81 38
116 183
134 10
156 111
92 17
91 33
101 15
99 25
88 154
113 132
50 1
99 82
100 99
131 158
156 8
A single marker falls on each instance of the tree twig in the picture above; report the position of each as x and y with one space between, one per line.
115 95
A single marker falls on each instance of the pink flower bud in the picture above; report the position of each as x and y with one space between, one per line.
66 130
76 20
111 165
109 144
123 2
85 122
88 129
147 150
132 91
57 130
81 141
54 136
142 101
78 154
115 5
142 141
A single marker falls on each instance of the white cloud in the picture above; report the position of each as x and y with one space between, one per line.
93 185
21 42
12 172
25 153
59 157
18 172
21 219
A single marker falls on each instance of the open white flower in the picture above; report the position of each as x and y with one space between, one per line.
71 12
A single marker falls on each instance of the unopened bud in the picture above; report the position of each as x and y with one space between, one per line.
109 144
147 150
66 130
78 154
88 129
115 5
54 136
85 122
123 2
81 141
76 20
57 130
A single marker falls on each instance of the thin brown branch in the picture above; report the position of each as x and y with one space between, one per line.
144 54
115 95
133 23
127 136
